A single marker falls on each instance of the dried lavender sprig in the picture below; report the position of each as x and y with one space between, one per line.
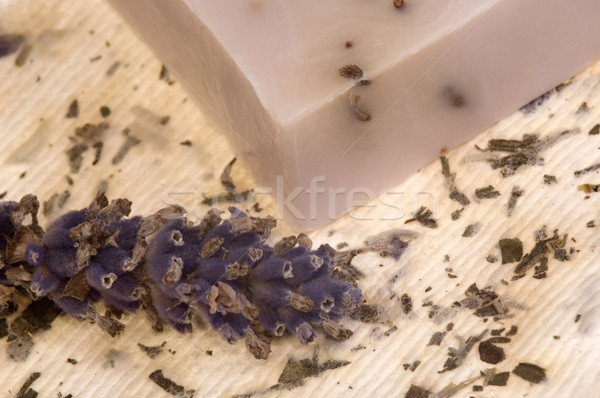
221 270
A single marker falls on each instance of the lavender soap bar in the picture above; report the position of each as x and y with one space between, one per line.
323 99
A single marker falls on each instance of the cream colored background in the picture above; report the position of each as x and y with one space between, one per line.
66 35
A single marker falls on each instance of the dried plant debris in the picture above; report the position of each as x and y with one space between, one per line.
538 256
477 298
152 351
550 179
515 194
219 269
417 392
130 142
296 370
412 366
10 43
589 188
511 250
390 243
369 313
73 109
590 224
456 214
165 75
398 4
351 72
26 391
113 68
498 379
454 97
471 230
406 303
583 108
231 194
456 356
169 385
56 201
526 151
486 193
530 372
491 353
587 170
595 130
450 178
23 55
536 103
423 216
436 338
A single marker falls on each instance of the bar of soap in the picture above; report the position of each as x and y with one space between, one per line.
326 98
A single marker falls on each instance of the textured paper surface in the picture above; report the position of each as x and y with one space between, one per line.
66 38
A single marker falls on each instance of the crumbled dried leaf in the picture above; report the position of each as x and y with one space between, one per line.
490 353
451 185
530 372
511 249
587 170
423 216
486 193
436 338
471 230
166 384
25 391
595 130
406 303
417 392
152 351
514 196
73 109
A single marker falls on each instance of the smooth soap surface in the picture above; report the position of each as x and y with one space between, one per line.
267 72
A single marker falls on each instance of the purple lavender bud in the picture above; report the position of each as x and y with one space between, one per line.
165 269
308 266
61 261
274 268
220 324
172 311
272 293
128 230
123 305
296 324
295 252
325 292
112 259
34 253
212 269
76 308
268 319
69 220
250 255
215 238
238 323
246 240
191 292
98 277
58 238
352 298
43 281
125 288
